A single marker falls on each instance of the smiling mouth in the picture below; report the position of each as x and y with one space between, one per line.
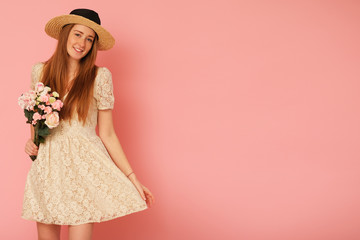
78 50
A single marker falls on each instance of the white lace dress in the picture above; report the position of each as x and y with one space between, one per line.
74 180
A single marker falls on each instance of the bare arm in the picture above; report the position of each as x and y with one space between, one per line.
111 141
113 146
32 131
30 147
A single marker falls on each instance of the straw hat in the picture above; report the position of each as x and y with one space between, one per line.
85 17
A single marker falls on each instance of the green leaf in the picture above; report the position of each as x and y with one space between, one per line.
28 114
41 139
44 131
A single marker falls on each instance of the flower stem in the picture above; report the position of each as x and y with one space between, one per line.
36 140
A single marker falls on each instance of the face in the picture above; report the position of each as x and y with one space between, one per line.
80 41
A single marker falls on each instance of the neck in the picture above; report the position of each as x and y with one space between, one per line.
73 66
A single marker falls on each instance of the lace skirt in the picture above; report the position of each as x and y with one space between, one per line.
74 181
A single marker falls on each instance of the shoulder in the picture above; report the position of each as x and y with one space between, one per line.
35 73
103 76
103 72
36 70
37 67
104 89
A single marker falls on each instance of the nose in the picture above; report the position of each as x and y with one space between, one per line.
81 42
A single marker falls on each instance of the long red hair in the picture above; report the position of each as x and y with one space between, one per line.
81 90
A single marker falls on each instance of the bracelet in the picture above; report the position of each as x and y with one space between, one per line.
129 174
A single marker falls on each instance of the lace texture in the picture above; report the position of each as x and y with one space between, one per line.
74 180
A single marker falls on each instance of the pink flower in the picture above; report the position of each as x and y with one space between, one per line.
42 107
39 87
48 109
33 122
52 119
36 116
57 105
26 102
44 98
32 94
22 101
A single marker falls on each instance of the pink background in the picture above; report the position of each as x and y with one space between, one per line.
242 117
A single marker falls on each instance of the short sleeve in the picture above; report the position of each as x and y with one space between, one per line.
104 89
35 74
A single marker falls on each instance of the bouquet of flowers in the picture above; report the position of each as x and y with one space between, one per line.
41 108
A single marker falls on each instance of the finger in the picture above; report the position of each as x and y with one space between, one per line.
150 198
31 151
27 150
148 194
150 202
34 147
143 195
141 191
31 143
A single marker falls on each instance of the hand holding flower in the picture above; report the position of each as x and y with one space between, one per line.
30 148
41 108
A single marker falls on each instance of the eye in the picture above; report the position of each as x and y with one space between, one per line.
90 40
77 34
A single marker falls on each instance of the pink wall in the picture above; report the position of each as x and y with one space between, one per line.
242 117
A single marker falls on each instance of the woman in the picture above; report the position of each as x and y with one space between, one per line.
79 178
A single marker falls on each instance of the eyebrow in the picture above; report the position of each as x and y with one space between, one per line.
83 33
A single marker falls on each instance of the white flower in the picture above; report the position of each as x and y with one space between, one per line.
47 89
52 119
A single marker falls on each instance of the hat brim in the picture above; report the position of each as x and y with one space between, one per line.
54 26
